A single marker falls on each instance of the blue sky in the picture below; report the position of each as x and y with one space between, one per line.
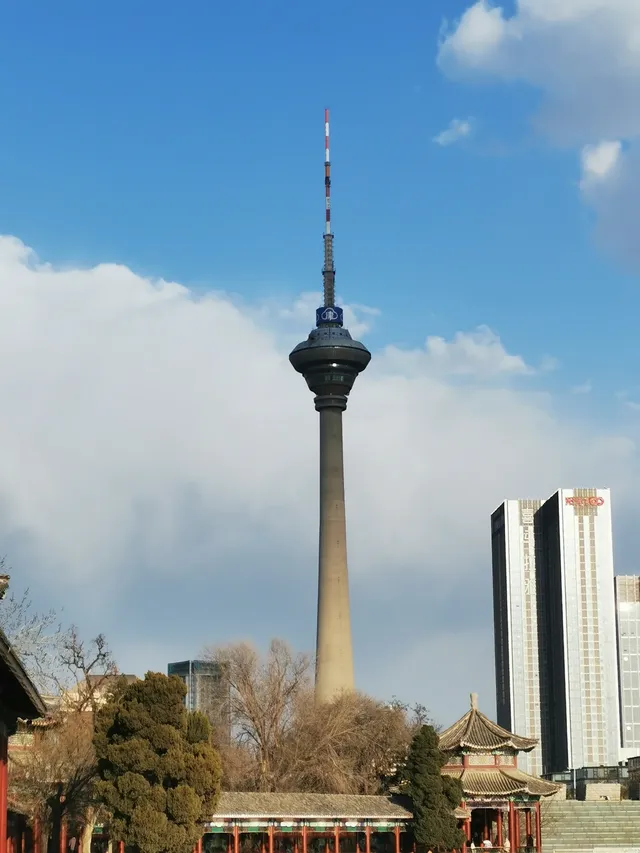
184 143
184 140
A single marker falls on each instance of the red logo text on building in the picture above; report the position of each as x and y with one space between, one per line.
584 501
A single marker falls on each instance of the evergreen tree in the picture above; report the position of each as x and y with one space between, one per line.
159 775
433 796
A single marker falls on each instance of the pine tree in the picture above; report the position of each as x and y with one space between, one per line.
433 796
159 775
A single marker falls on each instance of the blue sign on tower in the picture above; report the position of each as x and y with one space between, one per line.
329 314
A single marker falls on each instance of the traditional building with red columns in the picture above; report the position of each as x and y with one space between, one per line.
19 700
501 803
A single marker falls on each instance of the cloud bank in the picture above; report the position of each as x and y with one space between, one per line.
158 472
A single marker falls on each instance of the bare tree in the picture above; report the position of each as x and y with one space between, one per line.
262 694
53 775
37 638
283 740
90 668
351 745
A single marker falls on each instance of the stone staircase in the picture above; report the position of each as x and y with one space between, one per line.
576 826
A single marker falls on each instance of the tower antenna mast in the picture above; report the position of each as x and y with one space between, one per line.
328 272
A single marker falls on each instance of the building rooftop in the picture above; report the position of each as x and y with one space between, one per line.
20 697
500 782
477 732
308 806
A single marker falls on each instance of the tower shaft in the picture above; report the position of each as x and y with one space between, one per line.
334 652
330 360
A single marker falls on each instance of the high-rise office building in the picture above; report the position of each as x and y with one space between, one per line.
628 625
568 581
516 623
208 691
581 719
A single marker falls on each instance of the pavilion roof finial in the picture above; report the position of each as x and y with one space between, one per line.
474 701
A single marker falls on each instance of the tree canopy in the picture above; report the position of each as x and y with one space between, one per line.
283 740
52 777
433 796
159 774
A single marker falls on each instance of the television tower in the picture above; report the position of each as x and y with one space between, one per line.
330 360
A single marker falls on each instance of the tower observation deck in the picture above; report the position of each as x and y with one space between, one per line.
330 361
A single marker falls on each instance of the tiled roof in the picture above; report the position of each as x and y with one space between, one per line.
19 692
305 806
500 782
475 731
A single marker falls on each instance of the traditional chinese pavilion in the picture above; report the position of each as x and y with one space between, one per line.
501 803
19 700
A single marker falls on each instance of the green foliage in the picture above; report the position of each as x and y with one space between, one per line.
159 775
433 796
198 728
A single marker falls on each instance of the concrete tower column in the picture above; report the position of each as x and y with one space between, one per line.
334 653
330 360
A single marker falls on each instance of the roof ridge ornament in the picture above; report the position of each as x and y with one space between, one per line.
474 701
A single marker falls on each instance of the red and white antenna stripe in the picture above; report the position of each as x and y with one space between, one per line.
328 272
327 174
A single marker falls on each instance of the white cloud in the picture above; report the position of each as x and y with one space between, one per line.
582 54
599 162
158 473
584 58
610 184
458 129
583 388
478 354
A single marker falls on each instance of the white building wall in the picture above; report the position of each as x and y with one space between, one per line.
523 626
628 624
591 672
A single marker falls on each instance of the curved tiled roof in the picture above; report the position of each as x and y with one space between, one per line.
20 696
477 732
502 781
234 804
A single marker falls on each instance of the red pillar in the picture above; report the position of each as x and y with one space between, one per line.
120 846
199 845
499 827
516 829
37 835
367 839
336 838
527 825
304 839
3 790
396 832
271 839
538 829
236 839
512 827
467 832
